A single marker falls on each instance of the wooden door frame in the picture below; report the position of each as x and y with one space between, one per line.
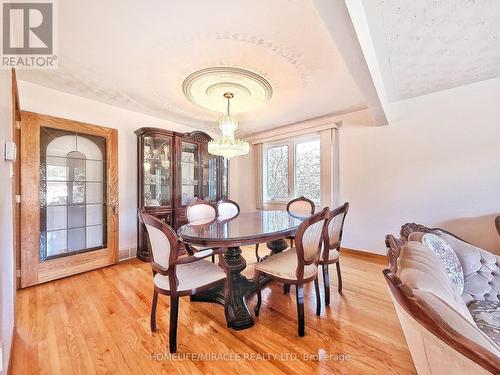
16 180
32 270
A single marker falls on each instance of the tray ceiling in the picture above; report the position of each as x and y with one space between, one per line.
137 55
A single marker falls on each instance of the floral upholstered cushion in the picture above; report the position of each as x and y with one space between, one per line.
450 260
486 315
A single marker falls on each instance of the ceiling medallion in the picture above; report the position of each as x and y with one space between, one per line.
228 146
206 88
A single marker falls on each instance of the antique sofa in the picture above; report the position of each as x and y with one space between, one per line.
446 294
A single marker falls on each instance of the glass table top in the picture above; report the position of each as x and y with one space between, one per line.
246 228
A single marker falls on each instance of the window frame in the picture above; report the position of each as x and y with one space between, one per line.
291 143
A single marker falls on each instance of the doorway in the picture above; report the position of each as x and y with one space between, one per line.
69 197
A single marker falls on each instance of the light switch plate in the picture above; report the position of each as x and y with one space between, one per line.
10 151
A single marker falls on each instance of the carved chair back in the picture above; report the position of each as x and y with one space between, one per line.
335 228
301 206
227 209
308 239
200 211
164 248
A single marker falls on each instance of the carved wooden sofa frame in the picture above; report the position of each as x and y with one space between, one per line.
423 313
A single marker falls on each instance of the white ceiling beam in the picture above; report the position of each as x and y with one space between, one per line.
337 21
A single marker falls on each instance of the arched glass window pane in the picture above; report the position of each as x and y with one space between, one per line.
72 193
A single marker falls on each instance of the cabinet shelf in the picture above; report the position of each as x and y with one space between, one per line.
156 160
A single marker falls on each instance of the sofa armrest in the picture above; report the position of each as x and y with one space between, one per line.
440 340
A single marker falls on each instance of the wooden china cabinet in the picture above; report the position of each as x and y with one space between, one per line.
173 169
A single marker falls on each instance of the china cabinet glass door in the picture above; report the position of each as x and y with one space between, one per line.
217 178
223 177
157 172
212 178
190 172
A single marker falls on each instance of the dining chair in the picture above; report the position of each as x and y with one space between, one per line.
227 209
174 276
331 247
201 212
297 206
298 265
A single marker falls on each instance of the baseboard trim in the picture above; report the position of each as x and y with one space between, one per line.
127 253
364 254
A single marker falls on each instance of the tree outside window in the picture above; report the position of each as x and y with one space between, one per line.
302 157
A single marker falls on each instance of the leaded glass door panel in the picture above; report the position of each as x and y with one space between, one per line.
72 194
69 200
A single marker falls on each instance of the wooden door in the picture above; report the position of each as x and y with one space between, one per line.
69 197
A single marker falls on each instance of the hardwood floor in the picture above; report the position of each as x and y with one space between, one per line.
98 322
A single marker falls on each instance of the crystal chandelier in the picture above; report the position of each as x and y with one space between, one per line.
228 146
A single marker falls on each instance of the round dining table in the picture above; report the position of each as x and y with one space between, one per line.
246 228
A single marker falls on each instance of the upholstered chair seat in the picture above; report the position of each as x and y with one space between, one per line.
192 276
298 265
202 249
284 265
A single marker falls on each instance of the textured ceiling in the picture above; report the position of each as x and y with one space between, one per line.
432 45
137 54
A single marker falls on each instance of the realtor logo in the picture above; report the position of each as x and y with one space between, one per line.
28 35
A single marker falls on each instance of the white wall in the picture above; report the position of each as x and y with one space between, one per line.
437 163
6 247
40 99
242 177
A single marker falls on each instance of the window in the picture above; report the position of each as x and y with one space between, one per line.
299 156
